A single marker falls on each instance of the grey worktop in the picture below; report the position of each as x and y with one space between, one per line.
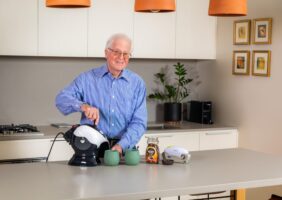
50 131
208 171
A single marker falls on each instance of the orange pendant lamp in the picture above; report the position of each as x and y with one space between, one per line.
228 8
68 3
154 5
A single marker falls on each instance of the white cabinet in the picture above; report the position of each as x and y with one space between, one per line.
62 32
30 28
107 17
19 149
195 30
219 139
154 35
61 150
18 27
186 140
35 148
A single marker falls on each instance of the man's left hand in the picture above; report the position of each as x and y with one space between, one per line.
118 148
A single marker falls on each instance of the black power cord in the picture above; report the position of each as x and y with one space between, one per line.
60 133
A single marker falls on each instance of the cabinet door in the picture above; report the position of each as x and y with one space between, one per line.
61 150
154 35
18 32
189 141
218 139
195 30
142 145
107 17
62 32
17 149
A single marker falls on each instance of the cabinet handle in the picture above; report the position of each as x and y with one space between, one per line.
217 133
159 136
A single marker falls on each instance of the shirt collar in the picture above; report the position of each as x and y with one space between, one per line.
104 71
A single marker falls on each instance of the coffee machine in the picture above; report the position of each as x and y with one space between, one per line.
199 112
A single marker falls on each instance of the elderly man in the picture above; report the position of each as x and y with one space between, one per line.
111 96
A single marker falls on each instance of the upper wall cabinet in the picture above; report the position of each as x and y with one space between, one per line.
154 35
62 32
195 30
107 17
18 27
30 28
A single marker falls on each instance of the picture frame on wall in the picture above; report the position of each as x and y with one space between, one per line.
261 63
241 63
242 32
262 31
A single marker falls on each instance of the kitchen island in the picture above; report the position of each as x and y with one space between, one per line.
208 171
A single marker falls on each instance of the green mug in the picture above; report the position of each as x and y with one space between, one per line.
111 157
132 157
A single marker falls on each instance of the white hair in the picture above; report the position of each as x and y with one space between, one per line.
116 37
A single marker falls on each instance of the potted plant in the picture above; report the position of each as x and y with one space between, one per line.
172 94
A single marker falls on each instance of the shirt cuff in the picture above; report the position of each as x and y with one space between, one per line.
77 106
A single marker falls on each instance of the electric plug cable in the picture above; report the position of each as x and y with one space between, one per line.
60 133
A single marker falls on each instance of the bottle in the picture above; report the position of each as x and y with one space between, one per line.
152 150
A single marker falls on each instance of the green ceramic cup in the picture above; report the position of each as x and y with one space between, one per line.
132 157
111 157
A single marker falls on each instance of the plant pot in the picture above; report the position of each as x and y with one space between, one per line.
172 112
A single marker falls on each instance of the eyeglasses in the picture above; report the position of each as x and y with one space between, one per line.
119 53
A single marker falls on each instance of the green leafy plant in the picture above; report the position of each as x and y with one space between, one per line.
172 92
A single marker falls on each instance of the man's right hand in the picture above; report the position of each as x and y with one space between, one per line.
91 113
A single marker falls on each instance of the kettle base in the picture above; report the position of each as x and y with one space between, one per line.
84 161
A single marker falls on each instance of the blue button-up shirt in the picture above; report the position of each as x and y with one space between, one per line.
121 102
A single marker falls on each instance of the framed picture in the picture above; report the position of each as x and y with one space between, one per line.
241 32
262 31
261 63
241 63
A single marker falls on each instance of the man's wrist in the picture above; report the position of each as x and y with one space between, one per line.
83 107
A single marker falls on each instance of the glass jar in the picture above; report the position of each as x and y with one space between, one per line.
152 150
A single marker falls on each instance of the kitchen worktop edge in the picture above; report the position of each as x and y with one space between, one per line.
50 131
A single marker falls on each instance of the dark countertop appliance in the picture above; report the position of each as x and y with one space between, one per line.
199 112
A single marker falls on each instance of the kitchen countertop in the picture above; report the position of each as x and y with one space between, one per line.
208 171
51 132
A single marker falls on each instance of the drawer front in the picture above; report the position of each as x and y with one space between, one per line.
17 149
61 150
218 140
189 141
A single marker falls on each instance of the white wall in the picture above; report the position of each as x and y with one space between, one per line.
28 85
252 103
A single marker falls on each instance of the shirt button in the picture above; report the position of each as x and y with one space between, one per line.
113 124
113 96
113 110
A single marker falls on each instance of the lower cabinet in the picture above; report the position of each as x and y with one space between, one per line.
61 150
35 150
187 140
23 149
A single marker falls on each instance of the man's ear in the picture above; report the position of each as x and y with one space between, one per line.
106 53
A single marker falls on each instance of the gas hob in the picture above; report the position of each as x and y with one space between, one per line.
19 130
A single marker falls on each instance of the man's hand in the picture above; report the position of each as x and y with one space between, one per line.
118 148
91 113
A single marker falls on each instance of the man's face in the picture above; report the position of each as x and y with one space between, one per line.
118 55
